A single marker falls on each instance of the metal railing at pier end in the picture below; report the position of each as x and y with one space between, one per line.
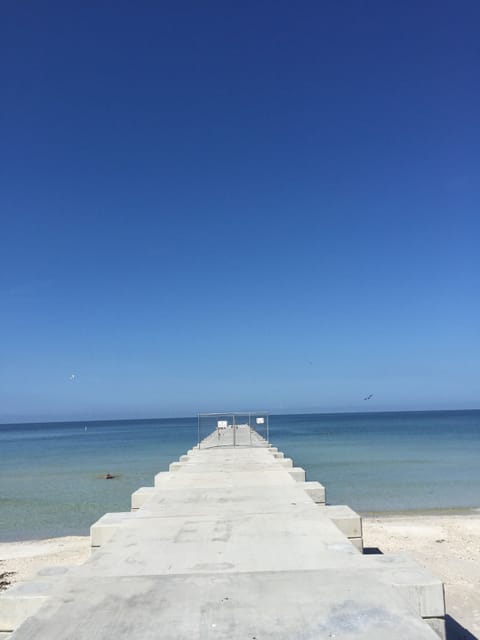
233 429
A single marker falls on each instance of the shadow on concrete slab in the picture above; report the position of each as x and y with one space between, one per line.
455 631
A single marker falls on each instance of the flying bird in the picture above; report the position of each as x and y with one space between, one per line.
368 397
72 377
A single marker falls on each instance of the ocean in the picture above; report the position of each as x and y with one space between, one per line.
51 474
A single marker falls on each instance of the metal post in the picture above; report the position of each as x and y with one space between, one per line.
250 427
268 434
198 430
234 434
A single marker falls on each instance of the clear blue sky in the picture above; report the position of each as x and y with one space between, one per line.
238 205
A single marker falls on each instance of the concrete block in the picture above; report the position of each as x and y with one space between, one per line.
273 449
297 473
175 466
286 462
349 522
102 530
316 491
278 454
423 591
357 543
140 496
21 601
193 450
438 625
184 459
160 478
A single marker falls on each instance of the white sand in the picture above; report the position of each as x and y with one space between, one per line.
449 545
24 559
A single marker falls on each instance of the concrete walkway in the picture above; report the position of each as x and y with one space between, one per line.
230 543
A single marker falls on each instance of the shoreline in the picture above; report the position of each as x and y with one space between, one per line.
434 511
414 513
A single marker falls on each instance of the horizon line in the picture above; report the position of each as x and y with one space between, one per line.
195 415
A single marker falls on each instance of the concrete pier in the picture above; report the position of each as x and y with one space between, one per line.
231 542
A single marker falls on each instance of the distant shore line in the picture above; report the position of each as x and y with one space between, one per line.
415 513
435 511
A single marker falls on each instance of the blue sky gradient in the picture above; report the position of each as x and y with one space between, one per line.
268 205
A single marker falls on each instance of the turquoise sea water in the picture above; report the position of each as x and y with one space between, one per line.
51 474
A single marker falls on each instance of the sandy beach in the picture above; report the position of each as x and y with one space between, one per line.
449 545
22 560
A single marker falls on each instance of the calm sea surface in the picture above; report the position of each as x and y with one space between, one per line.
51 473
